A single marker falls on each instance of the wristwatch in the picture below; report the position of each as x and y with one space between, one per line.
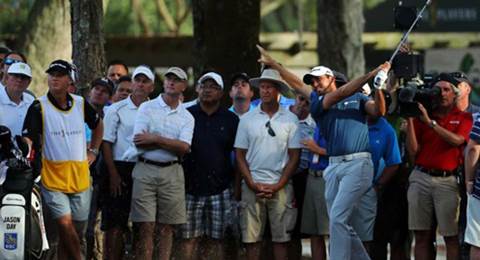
433 124
93 150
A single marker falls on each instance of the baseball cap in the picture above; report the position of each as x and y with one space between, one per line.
20 68
446 77
239 75
214 76
461 77
104 82
317 72
61 66
340 78
145 71
181 74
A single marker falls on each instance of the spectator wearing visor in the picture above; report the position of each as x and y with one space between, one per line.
436 140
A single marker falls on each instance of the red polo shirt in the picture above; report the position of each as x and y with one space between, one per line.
434 152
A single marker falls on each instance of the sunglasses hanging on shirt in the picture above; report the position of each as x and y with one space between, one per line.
269 129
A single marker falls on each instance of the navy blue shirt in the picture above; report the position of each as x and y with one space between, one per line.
322 162
475 136
383 146
344 125
208 168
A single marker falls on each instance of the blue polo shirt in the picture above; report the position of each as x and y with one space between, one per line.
383 146
322 162
475 136
249 109
344 125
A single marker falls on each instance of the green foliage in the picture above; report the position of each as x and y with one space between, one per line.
120 18
13 14
286 16
467 63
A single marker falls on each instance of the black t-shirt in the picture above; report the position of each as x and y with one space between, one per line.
208 167
33 125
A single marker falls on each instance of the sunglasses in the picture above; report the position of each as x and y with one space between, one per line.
10 61
269 129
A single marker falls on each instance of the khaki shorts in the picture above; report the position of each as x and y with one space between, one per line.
280 209
314 214
433 196
158 194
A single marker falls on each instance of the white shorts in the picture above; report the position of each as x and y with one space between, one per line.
472 233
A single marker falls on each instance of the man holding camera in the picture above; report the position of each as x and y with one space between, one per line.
436 140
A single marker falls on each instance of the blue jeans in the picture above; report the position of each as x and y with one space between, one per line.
347 179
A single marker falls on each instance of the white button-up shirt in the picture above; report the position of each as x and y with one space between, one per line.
118 127
11 114
267 155
156 117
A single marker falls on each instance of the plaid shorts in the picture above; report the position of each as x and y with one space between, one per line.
207 215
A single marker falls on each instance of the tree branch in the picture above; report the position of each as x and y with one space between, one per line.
183 18
137 9
164 13
181 9
271 7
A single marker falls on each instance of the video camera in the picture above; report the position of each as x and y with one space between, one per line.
418 90
413 91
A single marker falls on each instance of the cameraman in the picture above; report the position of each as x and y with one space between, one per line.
436 140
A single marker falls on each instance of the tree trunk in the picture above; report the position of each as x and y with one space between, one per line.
45 37
225 34
88 41
339 31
